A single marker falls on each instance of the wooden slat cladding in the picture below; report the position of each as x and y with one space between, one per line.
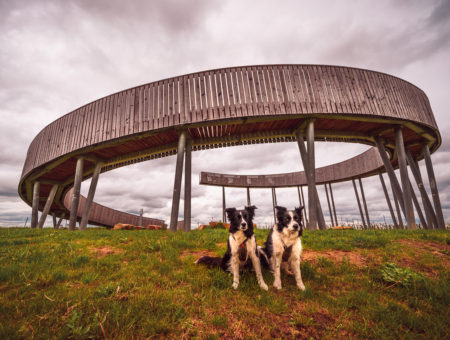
365 164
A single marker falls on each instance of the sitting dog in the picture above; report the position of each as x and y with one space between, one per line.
283 246
241 246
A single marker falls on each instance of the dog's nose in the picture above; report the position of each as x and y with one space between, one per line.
243 224
295 226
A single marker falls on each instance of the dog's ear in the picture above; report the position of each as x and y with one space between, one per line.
230 212
299 211
251 210
280 209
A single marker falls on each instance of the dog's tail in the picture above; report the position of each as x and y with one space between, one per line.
263 258
210 261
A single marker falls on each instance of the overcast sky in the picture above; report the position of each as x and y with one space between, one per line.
56 56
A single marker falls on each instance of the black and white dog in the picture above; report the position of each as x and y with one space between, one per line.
241 246
283 247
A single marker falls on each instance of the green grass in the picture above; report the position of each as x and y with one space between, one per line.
144 284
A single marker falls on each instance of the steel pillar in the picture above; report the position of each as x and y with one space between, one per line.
429 212
187 185
249 203
90 196
407 198
388 200
35 206
76 193
47 206
329 205
369 225
332 203
433 187
177 181
359 204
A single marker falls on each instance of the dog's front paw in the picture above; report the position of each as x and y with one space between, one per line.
301 286
235 285
277 285
264 286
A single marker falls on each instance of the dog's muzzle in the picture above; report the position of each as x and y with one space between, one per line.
295 226
243 226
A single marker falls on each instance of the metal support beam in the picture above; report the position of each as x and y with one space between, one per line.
35 206
249 203
224 217
177 181
187 185
369 225
359 204
418 209
388 200
90 196
433 187
47 206
399 213
390 171
329 205
332 203
76 193
407 198
429 212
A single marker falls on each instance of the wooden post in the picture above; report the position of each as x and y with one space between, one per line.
59 223
76 193
48 205
407 198
274 204
369 225
90 197
224 216
35 206
332 203
388 200
26 221
418 209
187 185
399 213
359 204
429 212
329 205
433 187
177 181
249 203
304 204
54 220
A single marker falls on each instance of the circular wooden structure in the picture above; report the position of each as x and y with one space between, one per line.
224 107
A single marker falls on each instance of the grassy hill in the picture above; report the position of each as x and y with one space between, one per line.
144 284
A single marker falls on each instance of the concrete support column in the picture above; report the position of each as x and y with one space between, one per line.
249 203
187 185
76 193
224 216
388 200
90 197
177 181
406 188
359 204
418 209
35 206
364 203
332 202
329 205
429 212
433 187
48 205
399 213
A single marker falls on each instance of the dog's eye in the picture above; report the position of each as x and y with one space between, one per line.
288 218
296 217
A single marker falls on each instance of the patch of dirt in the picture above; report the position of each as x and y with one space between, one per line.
197 253
435 248
336 256
103 251
222 244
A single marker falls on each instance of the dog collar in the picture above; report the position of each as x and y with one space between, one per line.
242 245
